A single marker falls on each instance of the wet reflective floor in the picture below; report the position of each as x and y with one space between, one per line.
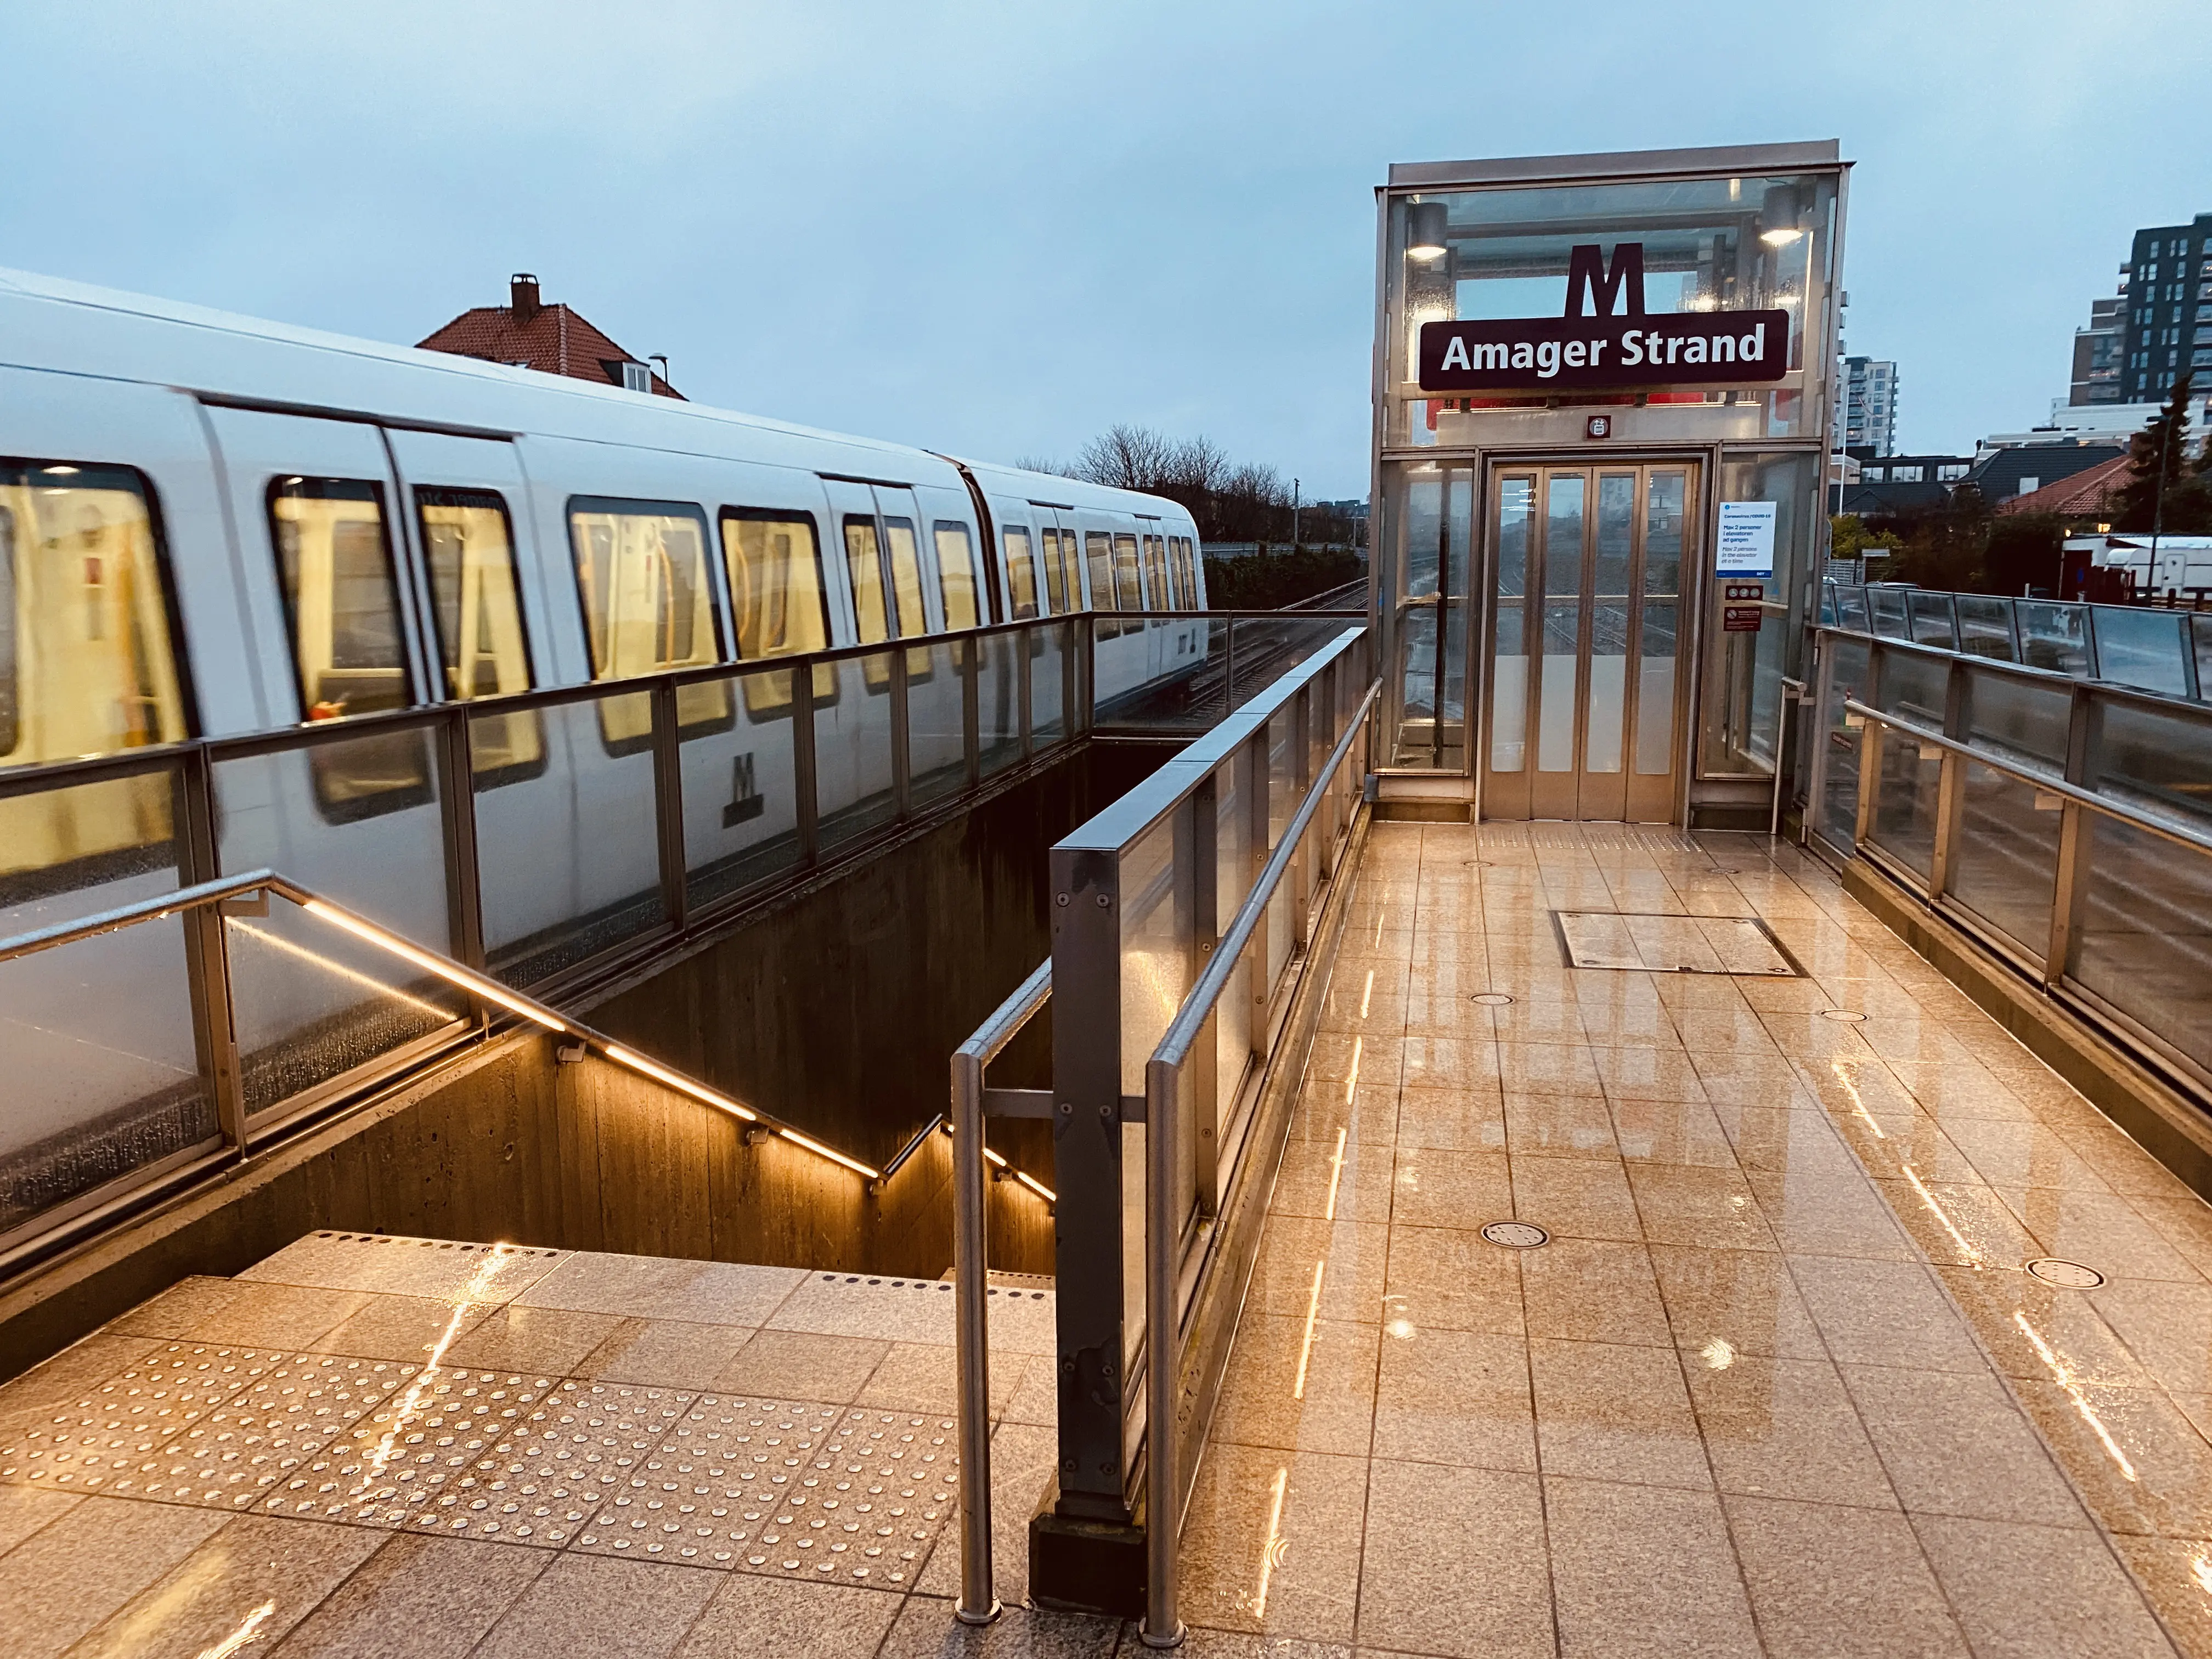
379 1446
1779 1380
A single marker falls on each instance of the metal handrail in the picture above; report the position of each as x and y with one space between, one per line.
2043 781
979 1601
1162 1627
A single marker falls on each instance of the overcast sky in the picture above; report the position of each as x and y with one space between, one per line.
997 229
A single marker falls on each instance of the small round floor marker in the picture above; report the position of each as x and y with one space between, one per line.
1844 1015
1492 999
1516 1235
2067 1275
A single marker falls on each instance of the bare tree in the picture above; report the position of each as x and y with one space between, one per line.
1039 464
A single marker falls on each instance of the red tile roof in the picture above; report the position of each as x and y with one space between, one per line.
554 341
2083 495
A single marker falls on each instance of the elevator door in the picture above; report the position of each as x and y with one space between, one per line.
1587 700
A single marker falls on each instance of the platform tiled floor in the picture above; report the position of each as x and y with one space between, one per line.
1779 1383
379 1446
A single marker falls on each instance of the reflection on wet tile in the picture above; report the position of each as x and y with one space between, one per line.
2100 1229
1335 1182
1451 1120
752 1614
1746 1302
1424 1524
1708 1208
1641 1570
1955 1445
253 1580
71 1575
1272 1542
2138 1461
1593 1291
1451 1279
405 1266
1814 1214
654 1287
1357 1253
2176 1574
532 1339
1609 1413
926 1629
416 1598
1454 1397
179 1308
668 1353
1451 1189
802 1365
1579 1198
1784 1428
1558 1126
1830 1582
1885 1313
2029 1590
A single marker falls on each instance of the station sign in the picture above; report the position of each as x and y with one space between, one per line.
1592 348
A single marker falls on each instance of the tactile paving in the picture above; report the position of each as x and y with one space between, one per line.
396 1466
237 1452
116 1427
788 1488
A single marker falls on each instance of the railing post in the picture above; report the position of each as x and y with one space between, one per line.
1254 784
458 804
2083 734
901 738
1950 782
1228 672
1163 1354
1301 712
1816 785
979 1601
1869 780
207 950
668 801
806 796
1025 672
1205 938
971 680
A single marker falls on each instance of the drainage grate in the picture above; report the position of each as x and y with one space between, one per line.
1844 1015
1674 945
1598 838
1516 1235
2067 1275
1490 998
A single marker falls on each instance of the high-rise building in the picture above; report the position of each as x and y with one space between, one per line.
2169 308
2098 350
1869 405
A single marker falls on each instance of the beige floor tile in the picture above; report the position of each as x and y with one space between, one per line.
1637 1073
1023 1457
1818 1213
2022 1155
666 1352
589 1605
1534 1016
417 1598
1641 1570
24 1510
1589 1289
1455 1563
70 1374
1558 1126
401 1327
1357 1254
2166 1326
257 1577
1271 1543
1450 1278
2103 1230
1316 1180
1452 1119
2171 1573
515 1337
1883 1313
1448 1063
1890 1143
792 1619
406 1267
1958 1224
1954 1443
1550 1068
1299 1385
1445 1396
2017 1316
268 1316
1438 1188
1339 1058
2023 1591
1575 1198
1705 1208
1369 1115
1782 1137
2123 1165
802 1365
1758 1078
1370 997
2164 1483
1746 1301
925 1378
1830 1582
1609 1413
69 1576
2185 1221
188 1303
1671 1132
1784 1428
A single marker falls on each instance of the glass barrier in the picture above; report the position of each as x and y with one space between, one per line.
1048 668
2157 760
740 788
936 726
1158 926
999 662
1985 628
568 860
1932 620
855 788
1886 611
1851 609
2200 636
2025 720
96 1042
1904 821
2004 863
2141 647
1850 675
2142 937
2054 636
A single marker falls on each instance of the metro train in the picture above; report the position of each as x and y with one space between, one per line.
213 525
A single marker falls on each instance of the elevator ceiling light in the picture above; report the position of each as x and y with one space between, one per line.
1781 236
1425 229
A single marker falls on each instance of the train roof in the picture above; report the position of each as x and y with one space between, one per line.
49 323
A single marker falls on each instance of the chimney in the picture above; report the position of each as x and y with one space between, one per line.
522 288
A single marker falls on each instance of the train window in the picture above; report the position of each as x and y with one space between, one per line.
87 666
1055 580
865 563
1185 573
648 608
1127 585
1021 573
1098 553
467 542
906 576
956 574
1156 573
1071 569
341 596
775 567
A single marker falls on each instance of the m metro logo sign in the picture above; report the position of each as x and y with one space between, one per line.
1596 349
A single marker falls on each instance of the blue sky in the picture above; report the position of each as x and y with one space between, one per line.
998 229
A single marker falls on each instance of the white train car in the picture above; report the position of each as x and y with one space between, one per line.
215 526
